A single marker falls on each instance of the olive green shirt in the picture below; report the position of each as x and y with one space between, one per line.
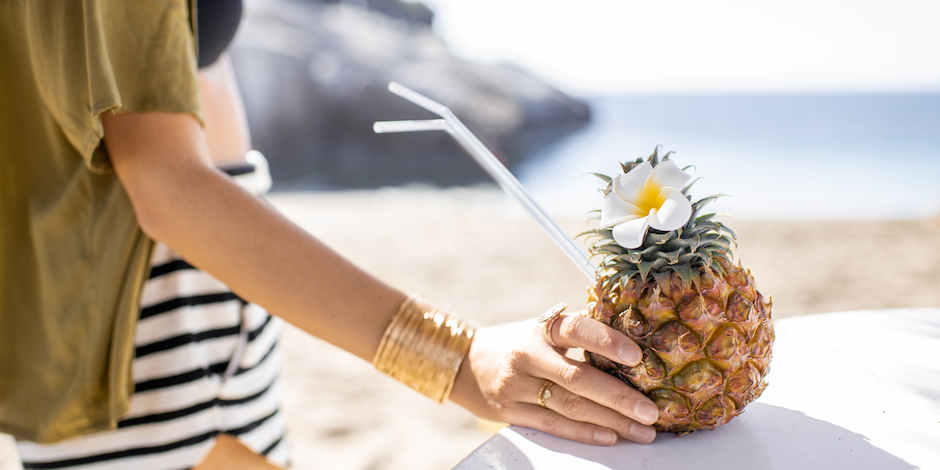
72 257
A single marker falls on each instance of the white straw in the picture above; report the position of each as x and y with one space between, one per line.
488 161
383 127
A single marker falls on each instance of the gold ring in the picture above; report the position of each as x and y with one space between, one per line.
544 393
548 319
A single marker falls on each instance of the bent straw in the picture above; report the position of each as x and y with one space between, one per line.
485 159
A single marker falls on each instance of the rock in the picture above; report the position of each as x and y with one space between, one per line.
314 78
411 13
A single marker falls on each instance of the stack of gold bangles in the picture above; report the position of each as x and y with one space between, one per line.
423 348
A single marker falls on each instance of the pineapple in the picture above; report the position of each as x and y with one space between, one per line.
705 330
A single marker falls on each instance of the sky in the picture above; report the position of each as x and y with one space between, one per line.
592 47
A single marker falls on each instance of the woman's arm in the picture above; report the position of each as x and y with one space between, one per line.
215 225
219 227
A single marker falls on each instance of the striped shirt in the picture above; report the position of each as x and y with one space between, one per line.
207 363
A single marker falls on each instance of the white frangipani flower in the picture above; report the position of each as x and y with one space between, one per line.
646 197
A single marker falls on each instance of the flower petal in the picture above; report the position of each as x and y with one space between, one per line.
673 213
667 174
630 186
630 234
615 210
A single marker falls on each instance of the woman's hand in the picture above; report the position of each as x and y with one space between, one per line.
507 366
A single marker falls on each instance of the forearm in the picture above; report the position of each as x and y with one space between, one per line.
245 243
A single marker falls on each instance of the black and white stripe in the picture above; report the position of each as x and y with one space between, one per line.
190 326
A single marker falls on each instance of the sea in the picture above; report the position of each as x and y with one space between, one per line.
775 157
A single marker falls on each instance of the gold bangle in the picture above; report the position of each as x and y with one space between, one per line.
423 348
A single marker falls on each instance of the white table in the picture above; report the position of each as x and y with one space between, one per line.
849 390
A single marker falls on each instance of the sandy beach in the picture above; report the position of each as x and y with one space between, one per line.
474 251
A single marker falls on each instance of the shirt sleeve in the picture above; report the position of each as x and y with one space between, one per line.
93 56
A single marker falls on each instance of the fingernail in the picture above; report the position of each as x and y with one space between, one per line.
629 354
646 412
604 437
643 434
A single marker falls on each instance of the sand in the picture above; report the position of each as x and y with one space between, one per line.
474 250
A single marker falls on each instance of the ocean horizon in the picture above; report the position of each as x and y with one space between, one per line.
775 156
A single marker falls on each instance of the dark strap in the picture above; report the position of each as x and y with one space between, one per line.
217 22
235 169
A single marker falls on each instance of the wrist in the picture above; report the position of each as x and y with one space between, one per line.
424 348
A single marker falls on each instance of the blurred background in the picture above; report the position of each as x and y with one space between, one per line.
803 110
821 120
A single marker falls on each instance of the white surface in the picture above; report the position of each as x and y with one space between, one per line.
851 390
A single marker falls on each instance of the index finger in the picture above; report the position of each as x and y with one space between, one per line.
575 331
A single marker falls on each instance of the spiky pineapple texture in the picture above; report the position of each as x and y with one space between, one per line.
705 330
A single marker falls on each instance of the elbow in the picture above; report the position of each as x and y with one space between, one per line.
147 209
148 221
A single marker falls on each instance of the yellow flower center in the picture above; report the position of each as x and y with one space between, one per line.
649 198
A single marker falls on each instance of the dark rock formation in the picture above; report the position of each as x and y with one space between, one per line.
314 78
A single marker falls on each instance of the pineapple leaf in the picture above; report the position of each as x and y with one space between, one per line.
705 200
645 267
587 233
711 235
627 275
612 280
608 249
650 250
694 244
685 189
723 228
688 166
654 158
678 243
633 257
706 258
724 255
606 178
711 225
717 268
657 238
609 258
661 277
697 207
603 241
667 155
622 266
672 257
705 218
697 233
659 264
710 245
684 270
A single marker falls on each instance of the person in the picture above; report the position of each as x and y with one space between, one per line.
110 138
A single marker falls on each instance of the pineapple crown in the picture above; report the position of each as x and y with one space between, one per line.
701 243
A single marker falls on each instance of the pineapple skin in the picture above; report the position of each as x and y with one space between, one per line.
706 347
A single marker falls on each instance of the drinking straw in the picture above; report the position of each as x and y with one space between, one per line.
485 159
